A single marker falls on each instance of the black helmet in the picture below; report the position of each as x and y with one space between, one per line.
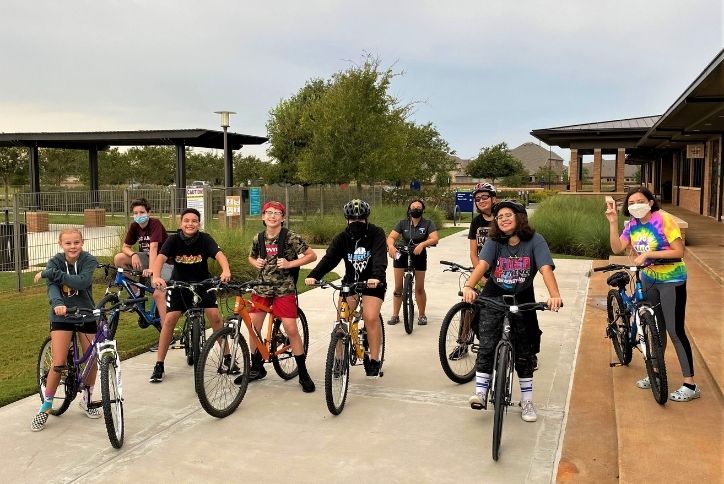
484 187
356 209
514 205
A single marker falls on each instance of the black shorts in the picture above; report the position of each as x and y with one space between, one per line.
182 299
419 262
90 327
378 292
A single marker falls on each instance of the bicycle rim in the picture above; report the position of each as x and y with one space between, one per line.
284 363
336 374
455 344
216 387
618 327
112 400
64 394
501 386
655 365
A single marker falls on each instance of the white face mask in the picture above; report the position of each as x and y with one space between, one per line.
639 210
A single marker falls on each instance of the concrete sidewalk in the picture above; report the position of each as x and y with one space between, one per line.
412 425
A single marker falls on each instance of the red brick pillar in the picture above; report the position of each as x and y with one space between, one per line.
620 168
37 221
573 171
94 217
597 161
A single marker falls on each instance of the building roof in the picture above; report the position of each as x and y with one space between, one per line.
201 138
617 133
533 156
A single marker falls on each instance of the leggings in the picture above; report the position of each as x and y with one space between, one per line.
669 302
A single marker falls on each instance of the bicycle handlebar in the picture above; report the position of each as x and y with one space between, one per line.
79 314
108 267
651 262
238 286
353 287
513 308
213 282
454 266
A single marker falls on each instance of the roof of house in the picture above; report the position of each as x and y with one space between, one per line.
533 156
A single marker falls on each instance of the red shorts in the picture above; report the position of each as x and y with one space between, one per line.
282 306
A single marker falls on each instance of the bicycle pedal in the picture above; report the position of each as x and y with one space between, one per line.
612 365
96 404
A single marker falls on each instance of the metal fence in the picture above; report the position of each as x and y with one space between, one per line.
33 221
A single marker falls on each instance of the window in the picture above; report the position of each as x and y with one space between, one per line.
685 173
697 172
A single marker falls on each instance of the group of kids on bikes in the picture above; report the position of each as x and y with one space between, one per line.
505 251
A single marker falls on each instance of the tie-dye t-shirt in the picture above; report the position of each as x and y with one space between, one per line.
656 234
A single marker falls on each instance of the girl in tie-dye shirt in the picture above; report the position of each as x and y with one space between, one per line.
651 235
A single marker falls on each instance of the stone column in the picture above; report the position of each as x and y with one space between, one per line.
620 167
573 171
597 161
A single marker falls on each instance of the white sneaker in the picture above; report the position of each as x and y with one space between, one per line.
528 414
92 412
478 401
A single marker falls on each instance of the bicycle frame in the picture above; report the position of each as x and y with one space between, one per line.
124 283
241 309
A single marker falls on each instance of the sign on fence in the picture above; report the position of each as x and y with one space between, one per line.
233 205
464 201
195 199
254 200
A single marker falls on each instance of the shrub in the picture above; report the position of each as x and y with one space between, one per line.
574 225
537 196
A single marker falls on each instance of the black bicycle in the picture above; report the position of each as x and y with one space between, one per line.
457 348
408 287
501 393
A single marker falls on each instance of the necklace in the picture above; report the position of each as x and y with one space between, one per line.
513 255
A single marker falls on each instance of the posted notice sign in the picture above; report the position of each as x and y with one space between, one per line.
195 199
233 205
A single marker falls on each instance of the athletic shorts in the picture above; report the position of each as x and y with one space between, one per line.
182 299
90 327
284 306
166 269
419 262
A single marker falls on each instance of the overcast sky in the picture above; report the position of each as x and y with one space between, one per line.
484 71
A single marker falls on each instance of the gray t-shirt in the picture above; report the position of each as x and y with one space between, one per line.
418 233
512 269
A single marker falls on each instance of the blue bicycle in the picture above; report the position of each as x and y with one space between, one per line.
134 291
632 324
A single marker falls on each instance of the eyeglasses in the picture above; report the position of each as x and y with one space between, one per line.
273 213
505 216
480 198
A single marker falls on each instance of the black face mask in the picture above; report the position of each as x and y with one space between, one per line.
357 229
415 212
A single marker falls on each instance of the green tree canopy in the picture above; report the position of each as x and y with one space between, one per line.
494 162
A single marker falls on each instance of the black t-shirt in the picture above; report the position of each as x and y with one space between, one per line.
190 258
479 230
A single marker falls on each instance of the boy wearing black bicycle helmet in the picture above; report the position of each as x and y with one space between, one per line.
514 254
362 247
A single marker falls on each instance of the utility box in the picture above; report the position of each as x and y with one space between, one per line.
7 246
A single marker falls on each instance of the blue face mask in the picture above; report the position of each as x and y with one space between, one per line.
141 219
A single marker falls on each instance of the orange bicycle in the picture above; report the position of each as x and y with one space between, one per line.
218 384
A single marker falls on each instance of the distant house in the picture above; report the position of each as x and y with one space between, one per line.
458 175
533 157
608 171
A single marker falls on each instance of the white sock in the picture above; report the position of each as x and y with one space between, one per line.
482 382
526 389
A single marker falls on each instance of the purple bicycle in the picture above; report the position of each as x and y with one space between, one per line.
104 352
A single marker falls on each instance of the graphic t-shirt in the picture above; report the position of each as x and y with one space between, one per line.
154 231
281 280
190 257
656 234
479 228
512 269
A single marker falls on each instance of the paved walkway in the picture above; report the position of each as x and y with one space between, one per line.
412 425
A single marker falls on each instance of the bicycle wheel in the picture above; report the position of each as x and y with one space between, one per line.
501 393
408 303
215 379
112 399
336 372
107 301
655 365
618 326
66 391
366 346
284 363
186 339
455 345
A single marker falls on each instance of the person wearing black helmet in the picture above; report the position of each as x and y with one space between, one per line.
362 247
484 199
513 254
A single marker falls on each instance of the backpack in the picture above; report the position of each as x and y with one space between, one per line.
281 249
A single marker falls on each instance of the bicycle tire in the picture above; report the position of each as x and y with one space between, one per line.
196 330
366 346
654 358
107 301
218 394
619 326
501 395
112 400
408 303
186 339
284 363
457 334
336 372
65 393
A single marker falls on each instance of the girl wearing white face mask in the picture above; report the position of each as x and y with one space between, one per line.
651 234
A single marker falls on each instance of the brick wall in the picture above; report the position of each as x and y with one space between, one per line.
689 198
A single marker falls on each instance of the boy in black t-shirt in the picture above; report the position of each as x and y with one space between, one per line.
484 199
190 250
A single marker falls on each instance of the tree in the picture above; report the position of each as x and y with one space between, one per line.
58 164
151 165
248 168
494 162
205 166
12 167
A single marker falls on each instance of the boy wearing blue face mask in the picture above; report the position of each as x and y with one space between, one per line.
150 234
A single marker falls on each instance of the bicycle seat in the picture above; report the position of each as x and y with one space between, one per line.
619 279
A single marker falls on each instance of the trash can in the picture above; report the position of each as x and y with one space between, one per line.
7 245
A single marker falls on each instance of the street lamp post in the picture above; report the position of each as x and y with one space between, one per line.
228 166
549 167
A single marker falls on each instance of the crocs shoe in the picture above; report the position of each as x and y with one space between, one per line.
422 320
393 320
644 383
684 394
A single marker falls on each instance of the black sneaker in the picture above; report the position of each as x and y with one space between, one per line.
257 373
228 366
157 375
307 384
373 369
458 353
239 379
393 320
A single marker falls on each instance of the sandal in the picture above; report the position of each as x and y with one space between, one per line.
644 383
685 394
393 320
